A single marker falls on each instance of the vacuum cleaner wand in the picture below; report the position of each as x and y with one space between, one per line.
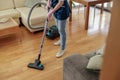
37 64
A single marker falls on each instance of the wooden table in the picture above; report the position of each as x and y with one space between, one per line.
88 3
9 27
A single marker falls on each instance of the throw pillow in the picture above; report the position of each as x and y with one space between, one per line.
95 63
30 3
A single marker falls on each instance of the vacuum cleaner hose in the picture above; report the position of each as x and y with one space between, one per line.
29 15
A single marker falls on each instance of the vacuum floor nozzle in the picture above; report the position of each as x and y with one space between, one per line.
36 65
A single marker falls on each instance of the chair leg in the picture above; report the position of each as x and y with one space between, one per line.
94 13
84 11
78 8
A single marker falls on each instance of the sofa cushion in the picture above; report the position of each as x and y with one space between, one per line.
38 15
19 3
6 4
95 63
9 13
30 3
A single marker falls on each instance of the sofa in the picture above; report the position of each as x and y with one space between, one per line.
83 67
19 9
74 68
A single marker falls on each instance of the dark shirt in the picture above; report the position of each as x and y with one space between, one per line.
63 12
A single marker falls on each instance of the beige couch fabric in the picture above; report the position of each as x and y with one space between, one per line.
19 3
9 13
6 4
17 9
38 17
7 10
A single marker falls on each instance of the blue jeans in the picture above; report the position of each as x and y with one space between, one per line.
61 24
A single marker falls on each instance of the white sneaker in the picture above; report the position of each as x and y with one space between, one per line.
60 53
57 43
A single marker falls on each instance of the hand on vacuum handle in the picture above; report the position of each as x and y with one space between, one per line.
48 9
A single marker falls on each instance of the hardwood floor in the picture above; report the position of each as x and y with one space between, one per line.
15 55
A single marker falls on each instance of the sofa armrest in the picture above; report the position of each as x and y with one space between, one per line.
42 4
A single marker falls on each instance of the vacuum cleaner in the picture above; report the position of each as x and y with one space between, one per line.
52 32
37 63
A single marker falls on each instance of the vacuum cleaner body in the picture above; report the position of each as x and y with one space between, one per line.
52 32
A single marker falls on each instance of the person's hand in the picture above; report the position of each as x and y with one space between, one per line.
47 7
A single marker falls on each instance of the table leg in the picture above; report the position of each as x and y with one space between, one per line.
70 3
87 17
102 7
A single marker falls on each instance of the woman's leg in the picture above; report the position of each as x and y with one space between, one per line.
61 24
58 42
